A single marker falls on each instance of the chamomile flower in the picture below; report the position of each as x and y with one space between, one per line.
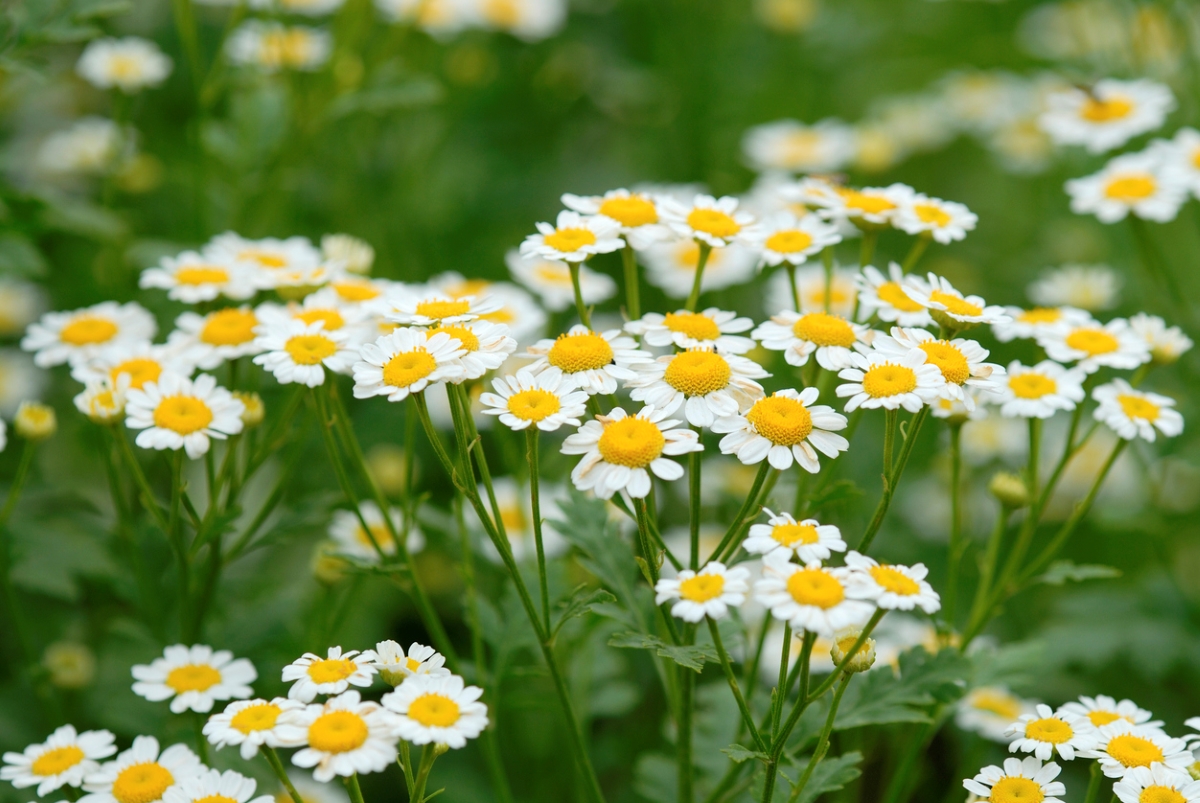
129 64
573 238
193 677
783 427
895 587
1031 323
884 297
325 306
671 267
346 735
808 540
1039 391
716 222
1106 116
139 362
1181 154
551 281
91 146
636 214
595 361
346 531
950 307
990 710
406 361
516 513
190 277
1093 346
180 413
1104 710
1121 747
251 724
354 255
710 592
76 336
1133 183
706 384
212 339
103 402
299 352
1167 343
800 335
876 379
1085 287
1019 780
485 346
1135 413
944 221
792 146
620 450
333 674
395 664
272 46
546 400
783 237
425 307
64 759
711 328
816 295
961 362
1046 732
268 254
869 206
818 599
437 709
141 774
1157 783
214 786
359 291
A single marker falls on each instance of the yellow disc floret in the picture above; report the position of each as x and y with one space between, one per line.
824 329
534 405
816 587
182 414
570 239
698 372
713 222
193 677
956 305
1138 407
88 330
931 213
1016 790
408 367
702 587
140 370
1031 386
632 442
1095 110
259 717
434 710
586 351
337 732
439 309
949 359
888 379
782 421
310 349
1133 751
331 319
60 759
229 327
1131 187
894 580
789 241
142 783
331 670
792 534
631 211
1049 729
893 294
1092 341
1161 794
1040 315
692 324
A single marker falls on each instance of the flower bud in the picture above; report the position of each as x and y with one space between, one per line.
385 461
328 566
252 416
1193 770
844 641
35 421
1009 489
71 665
102 403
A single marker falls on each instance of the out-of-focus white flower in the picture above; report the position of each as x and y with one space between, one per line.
309 8
573 238
1167 343
1108 115
635 212
783 237
1093 346
671 267
1133 183
129 64
354 255
944 221
1086 287
79 335
92 146
884 296
1134 413
620 450
824 147
717 222
272 46
530 20
551 281
990 710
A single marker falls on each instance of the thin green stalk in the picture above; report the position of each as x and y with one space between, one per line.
805 663
429 754
827 256
644 538
633 305
956 539
867 251
185 25
1095 776
891 422
918 248
987 568
352 786
822 741
405 761
175 537
18 483
531 443
139 477
687 690
892 479
694 504
780 693
1029 527
818 692
277 767
748 512
198 720
694 297
727 667
791 273
585 315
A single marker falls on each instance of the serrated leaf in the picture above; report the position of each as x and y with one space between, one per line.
691 656
923 680
1062 571
831 775
737 753
582 600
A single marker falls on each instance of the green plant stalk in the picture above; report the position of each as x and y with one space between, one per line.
175 537
405 761
633 306
988 568
693 298
185 25
892 479
139 478
428 756
780 693
891 423
914 253
585 315
277 767
694 505
791 274
531 442
1095 776
744 515
687 690
866 253
822 741
644 539
727 667
827 262
956 536
1029 527
352 786
818 692
18 483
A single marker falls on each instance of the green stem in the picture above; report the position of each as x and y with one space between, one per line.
891 419
175 536
428 756
633 306
185 25
785 655
827 262
694 504
727 667
918 248
747 514
791 273
535 502
352 786
277 767
867 252
687 688
139 478
987 570
823 740
18 483
405 760
693 298
850 653
956 539
585 315
644 538
1095 776
892 479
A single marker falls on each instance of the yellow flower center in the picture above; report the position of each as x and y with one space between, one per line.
632 212
586 351
789 241
692 324
87 330
1040 315
782 421
894 580
893 294
59 759
265 258
229 327
800 147
310 349
1050 729
434 711
502 13
824 330
122 67
1093 341
1133 751
1131 188
379 534
467 287
1160 794
337 732
356 291
193 677
702 587
949 359
1031 386
713 222
815 587
814 296
182 414
955 305
534 405
568 240
331 670
258 717
439 309
412 664
792 534
503 315
1002 705
408 367
140 371
554 273
1016 790
1095 110
142 783
887 379
698 372
867 203
201 275
331 319
1099 718
1138 407
462 334
632 442
215 799
931 213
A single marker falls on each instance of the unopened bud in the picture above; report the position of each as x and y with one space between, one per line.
71 665
35 421
864 657
103 403
254 411
328 566
1194 770
1009 489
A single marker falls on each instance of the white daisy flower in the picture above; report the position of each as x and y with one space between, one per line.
710 592
64 759
808 540
799 335
1135 413
129 64
346 735
939 296
311 791
1167 343
141 774
516 511
272 46
1104 710
636 214
990 710
823 147
268 254
326 306
713 221
885 298
406 361
944 221
330 675
595 361
548 400
347 533
1121 747
138 362
355 255
871 206
706 384
360 291
180 413
896 587
961 362
395 665
212 339
190 277
193 677
299 352
1020 779
76 336
1045 732
783 237
214 786
92 146
1031 323
671 267
485 346
1132 183
1039 391
712 328
811 288
947 409
817 599
103 402
1093 346
437 709
1108 115
1157 783
620 450
551 281
1181 155
877 379
573 238
425 307
1086 287
783 427
251 724
21 302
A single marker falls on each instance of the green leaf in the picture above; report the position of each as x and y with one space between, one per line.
420 91
693 657
19 256
839 491
1062 571
923 680
655 778
1008 665
737 753
582 600
831 775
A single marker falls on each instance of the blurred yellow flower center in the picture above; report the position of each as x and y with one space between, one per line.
930 213
192 677
182 414
1032 386
888 379
309 349
1039 315
60 759
631 442
1099 718
824 330
123 67
467 287
1002 705
1016 790
1095 110
702 587
800 147
434 711
1161 794
462 334
713 222
1131 188
568 240
331 319
782 421
789 241
1093 341
356 291
1133 751
229 327
408 367
290 47
502 13
412 664
215 799
201 275
554 273
814 296
87 331
142 783
258 717
892 293
378 534
633 211
867 203
698 372
439 309
534 405
1138 407
140 370
502 315
815 587
955 305
586 351
265 258
692 324
337 732
894 580
1050 729
331 670
949 359
792 534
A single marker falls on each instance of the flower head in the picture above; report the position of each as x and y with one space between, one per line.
800 335
1103 710
251 724
1039 391
214 786
77 336
352 540
716 222
817 599
619 451
783 427
546 400
635 213
711 328
333 674
895 587
1046 732
1035 322
406 361
1167 343
784 237
573 238
1134 413
671 267
869 206
272 46
944 221
593 360
1133 183
1093 345
1024 780
1157 783
808 540
437 708
1085 287
395 665
209 340
706 384
1121 747
990 710
961 362
141 774
1107 115
191 277
135 364
64 759
193 677
792 146
129 64
885 297
878 379
179 413
346 735
948 306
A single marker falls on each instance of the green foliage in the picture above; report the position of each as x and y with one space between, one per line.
1063 571
909 695
693 657
832 774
